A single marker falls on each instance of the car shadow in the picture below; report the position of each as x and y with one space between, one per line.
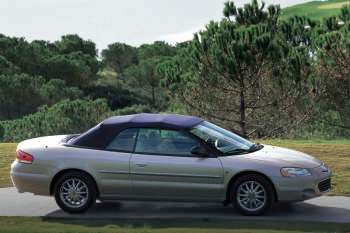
164 210
301 217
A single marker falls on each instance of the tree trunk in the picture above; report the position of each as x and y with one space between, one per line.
153 96
242 110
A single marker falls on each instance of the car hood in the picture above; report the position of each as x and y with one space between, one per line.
284 157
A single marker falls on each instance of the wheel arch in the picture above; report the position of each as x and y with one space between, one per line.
236 176
62 172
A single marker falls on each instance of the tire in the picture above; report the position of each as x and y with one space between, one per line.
248 199
85 191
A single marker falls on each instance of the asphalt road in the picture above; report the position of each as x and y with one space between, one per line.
326 209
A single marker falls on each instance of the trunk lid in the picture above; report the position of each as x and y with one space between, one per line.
42 142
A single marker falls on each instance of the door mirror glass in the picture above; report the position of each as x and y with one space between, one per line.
199 150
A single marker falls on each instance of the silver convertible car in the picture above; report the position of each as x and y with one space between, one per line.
164 157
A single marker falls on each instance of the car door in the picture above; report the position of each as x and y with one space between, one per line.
162 166
113 165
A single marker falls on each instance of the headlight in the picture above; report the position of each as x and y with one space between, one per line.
294 172
324 168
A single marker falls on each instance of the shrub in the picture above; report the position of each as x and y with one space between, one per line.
65 117
132 110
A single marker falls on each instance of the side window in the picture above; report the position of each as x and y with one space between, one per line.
164 142
124 141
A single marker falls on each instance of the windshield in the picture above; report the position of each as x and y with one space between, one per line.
222 139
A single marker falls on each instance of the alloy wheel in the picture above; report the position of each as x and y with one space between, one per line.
74 192
251 195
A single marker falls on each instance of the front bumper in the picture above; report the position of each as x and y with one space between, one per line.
303 188
25 178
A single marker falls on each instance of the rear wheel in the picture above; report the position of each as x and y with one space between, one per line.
75 192
252 194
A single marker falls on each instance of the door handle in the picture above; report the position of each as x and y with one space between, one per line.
141 164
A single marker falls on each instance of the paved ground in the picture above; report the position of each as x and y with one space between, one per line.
328 209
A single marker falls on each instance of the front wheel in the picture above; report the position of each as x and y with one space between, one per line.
75 192
252 194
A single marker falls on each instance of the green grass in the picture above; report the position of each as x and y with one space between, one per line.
315 9
321 142
335 153
52 225
7 155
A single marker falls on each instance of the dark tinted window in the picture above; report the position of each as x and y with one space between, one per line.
166 142
124 141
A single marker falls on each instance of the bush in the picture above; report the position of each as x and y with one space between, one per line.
1 133
133 110
325 125
65 117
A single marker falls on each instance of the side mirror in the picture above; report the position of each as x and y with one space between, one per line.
199 150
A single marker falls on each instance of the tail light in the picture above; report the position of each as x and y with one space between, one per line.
24 157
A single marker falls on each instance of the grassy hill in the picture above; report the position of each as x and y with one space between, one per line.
315 9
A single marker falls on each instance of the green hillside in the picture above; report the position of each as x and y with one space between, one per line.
315 9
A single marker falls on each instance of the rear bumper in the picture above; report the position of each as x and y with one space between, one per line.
25 180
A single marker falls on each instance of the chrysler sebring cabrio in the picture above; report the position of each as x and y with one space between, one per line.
164 157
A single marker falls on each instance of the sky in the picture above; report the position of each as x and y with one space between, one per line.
134 22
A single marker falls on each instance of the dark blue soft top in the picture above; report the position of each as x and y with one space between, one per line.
155 120
100 135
